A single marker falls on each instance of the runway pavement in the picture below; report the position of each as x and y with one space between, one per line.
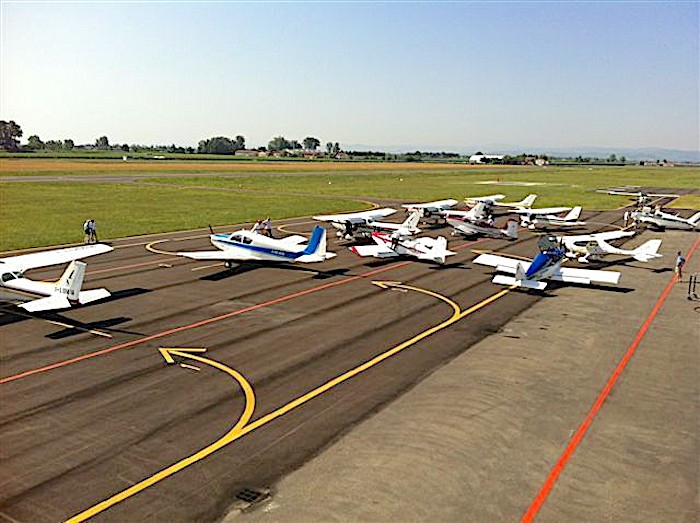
97 424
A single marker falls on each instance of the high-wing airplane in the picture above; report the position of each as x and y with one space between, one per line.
525 203
663 220
593 247
490 199
62 294
391 245
242 246
479 222
546 218
642 198
431 208
545 266
358 225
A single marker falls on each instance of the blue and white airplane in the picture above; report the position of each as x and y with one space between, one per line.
243 246
545 266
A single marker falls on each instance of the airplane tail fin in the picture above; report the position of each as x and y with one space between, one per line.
511 229
527 201
574 213
439 251
317 243
71 280
410 225
647 251
695 218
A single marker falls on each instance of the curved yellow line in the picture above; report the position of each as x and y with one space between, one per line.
149 247
233 434
243 427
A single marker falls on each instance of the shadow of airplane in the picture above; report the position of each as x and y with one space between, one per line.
246 267
80 327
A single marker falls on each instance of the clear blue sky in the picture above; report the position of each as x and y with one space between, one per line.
619 74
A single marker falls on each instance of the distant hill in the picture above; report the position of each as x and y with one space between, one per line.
644 153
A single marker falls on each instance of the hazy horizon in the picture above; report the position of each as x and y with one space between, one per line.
540 75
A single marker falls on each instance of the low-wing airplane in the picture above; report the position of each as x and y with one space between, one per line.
545 266
242 246
431 208
391 245
593 247
479 222
662 220
546 218
358 225
62 294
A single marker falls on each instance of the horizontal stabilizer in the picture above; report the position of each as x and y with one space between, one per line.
501 279
47 304
295 239
93 295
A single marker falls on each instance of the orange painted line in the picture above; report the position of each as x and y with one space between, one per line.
208 321
581 432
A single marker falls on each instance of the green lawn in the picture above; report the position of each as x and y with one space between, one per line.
686 202
560 185
33 215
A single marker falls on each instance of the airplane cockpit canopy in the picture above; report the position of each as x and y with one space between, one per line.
10 276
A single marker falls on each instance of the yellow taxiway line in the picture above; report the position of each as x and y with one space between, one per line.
243 427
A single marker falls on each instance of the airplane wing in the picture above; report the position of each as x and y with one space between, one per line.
356 217
605 236
438 205
490 198
295 239
638 193
34 260
228 254
548 210
585 276
502 263
378 251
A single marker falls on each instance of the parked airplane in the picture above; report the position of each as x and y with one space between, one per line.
642 198
593 247
62 294
525 203
662 220
546 218
250 246
358 225
491 199
545 266
431 208
390 245
479 222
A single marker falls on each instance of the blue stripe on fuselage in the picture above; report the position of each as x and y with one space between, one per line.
542 261
257 248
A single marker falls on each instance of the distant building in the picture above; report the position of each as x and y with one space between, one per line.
479 158
248 153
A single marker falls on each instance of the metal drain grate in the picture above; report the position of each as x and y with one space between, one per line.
250 496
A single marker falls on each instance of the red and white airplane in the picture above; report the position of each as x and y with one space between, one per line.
392 245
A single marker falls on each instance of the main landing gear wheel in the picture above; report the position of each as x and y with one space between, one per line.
228 264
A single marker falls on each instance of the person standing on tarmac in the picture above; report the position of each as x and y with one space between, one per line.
680 262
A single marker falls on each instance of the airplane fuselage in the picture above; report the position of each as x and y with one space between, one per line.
664 220
545 265
256 249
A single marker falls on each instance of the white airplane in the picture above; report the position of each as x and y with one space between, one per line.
663 220
495 200
479 222
242 246
391 245
546 218
593 247
491 199
431 208
62 294
642 198
545 266
362 224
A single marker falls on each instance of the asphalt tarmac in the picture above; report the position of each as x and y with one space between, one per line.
94 423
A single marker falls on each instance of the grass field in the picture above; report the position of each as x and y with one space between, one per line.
33 215
557 185
686 202
37 214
